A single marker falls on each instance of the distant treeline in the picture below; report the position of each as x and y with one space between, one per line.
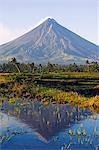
13 67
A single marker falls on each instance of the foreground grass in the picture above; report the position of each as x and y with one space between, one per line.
14 86
67 97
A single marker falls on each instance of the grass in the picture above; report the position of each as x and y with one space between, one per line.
76 88
66 97
71 75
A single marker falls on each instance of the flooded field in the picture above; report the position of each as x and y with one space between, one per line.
34 126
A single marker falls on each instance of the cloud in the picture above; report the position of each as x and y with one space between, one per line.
7 34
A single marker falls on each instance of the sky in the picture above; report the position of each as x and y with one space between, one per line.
20 16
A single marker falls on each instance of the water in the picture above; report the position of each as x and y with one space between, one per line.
34 126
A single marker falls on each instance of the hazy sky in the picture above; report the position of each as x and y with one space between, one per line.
20 16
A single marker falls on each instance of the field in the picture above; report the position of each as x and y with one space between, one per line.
80 88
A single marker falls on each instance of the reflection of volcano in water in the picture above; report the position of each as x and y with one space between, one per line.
49 120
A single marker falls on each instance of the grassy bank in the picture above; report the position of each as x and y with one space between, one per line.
46 89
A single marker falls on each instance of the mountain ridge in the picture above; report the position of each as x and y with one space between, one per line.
50 42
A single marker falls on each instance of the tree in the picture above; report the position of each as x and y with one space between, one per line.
88 65
50 67
40 68
87 62
14 62
32 65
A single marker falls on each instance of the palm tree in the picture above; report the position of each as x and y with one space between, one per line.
87 61
50 67
40 68
14 62
32 65
88 65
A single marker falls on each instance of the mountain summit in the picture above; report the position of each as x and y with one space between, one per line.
50 42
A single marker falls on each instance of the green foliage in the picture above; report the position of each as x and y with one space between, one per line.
67 89
16 67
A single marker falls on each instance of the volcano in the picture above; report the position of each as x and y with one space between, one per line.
50 42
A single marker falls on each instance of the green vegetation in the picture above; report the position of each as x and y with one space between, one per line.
80 89
75 84
15 67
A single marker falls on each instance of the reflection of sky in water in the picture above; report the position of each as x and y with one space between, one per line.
10 123
48 127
